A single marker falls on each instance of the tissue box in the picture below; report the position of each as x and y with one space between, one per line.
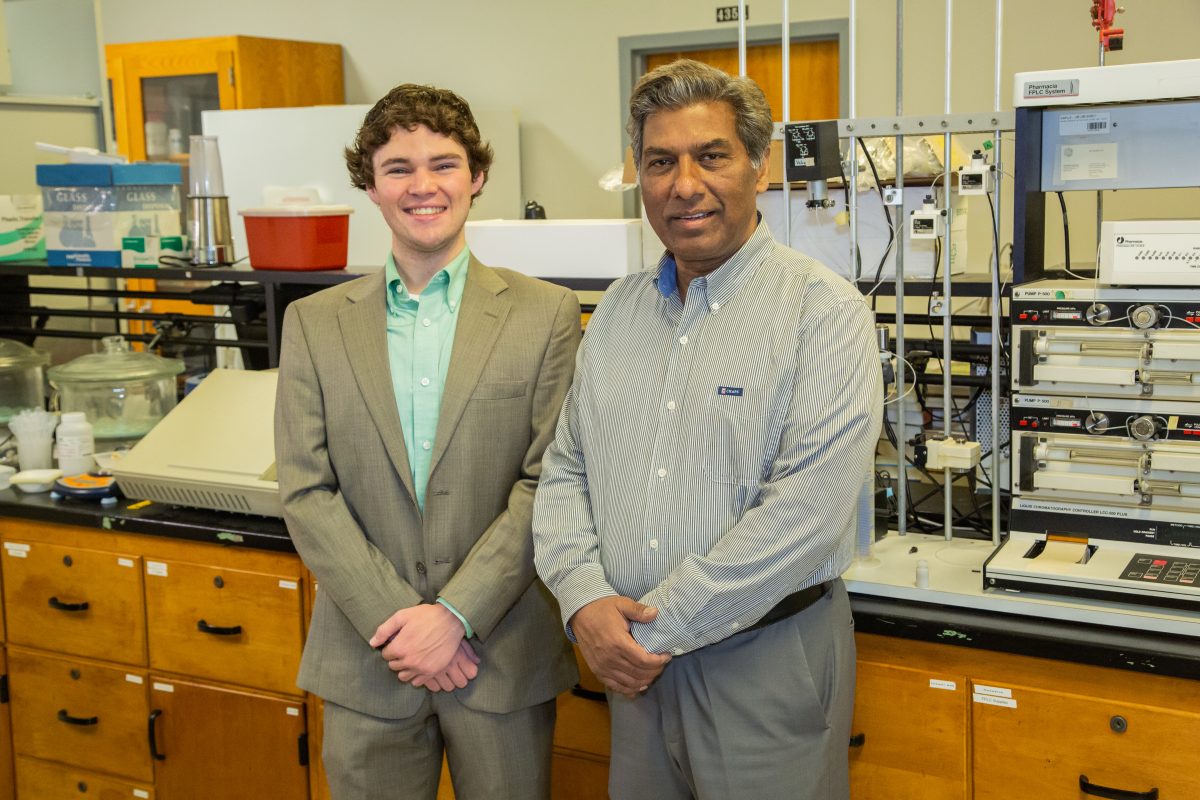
144 251
90 208
21 227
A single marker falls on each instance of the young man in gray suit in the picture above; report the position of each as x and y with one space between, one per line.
414 406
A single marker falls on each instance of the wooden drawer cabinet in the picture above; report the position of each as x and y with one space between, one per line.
45 781
75 600
225 624
80 712
238 745
6 749
1036 743
909 735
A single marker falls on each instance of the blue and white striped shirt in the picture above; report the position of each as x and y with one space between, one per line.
710 454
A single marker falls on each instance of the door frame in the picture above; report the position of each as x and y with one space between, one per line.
634 50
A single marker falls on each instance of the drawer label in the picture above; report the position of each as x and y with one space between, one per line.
293 712
134 678
140 793
993 691
124 562
988 700
163 687
156 568
16 550
287 584
949 686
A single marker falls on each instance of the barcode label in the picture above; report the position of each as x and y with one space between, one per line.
1087 123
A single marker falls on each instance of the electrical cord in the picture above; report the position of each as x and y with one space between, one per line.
887 214
1066 233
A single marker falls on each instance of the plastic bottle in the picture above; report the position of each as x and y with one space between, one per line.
76 444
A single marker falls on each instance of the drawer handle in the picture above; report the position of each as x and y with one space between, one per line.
61 606
216 630
151 734
858 740
63 716
1096 790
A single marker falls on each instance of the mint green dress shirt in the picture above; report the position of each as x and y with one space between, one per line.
420 338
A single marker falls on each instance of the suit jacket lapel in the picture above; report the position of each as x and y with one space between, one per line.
363 323
480 318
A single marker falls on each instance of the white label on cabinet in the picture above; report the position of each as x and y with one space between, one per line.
293 712
125 562
163 687
1006 702
16 550
134 678
140 793
1085 124
994 691
947 685
156 568
287 584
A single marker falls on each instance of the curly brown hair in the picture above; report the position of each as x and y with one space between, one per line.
410 105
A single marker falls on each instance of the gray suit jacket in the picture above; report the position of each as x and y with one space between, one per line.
348 494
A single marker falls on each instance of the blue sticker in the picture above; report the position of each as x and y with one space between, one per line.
732 391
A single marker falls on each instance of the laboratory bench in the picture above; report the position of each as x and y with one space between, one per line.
134 634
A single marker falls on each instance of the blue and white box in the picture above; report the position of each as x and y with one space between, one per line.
90 208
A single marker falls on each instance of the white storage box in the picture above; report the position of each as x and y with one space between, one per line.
559 248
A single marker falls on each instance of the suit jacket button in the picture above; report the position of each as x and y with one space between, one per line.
421 567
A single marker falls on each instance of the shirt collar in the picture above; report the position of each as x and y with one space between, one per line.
448 281
724 281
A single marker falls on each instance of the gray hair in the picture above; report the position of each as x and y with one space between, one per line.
686 83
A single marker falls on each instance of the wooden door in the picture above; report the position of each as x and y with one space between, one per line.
130 66
79 712
1041 743
909 735
225 624
815 77
6 749
226 743
75 600
42 780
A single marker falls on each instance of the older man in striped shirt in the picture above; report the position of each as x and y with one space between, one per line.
698 504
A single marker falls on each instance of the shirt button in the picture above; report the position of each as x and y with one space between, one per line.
654 544
453 304
421 567
715 306
671 405
425 322
424 381
662 473
683 340
426 444
734 626
678 651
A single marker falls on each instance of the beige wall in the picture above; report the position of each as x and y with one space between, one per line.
556 61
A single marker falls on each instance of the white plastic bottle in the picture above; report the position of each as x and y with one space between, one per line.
75 443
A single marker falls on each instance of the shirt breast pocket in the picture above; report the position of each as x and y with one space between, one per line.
734 434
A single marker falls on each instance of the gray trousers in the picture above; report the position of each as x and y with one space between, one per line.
491 756
759 716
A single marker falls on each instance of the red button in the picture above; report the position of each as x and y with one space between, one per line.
1023 423
1023 315
1158 562
1035 423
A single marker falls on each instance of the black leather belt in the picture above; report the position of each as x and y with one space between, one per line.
792 604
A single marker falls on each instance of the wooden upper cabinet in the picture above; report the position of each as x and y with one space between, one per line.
159 89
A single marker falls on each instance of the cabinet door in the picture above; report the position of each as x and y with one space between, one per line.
1044 744
909 735
72 600
167 87
80 713
235 745
6 749
42 780
225 625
